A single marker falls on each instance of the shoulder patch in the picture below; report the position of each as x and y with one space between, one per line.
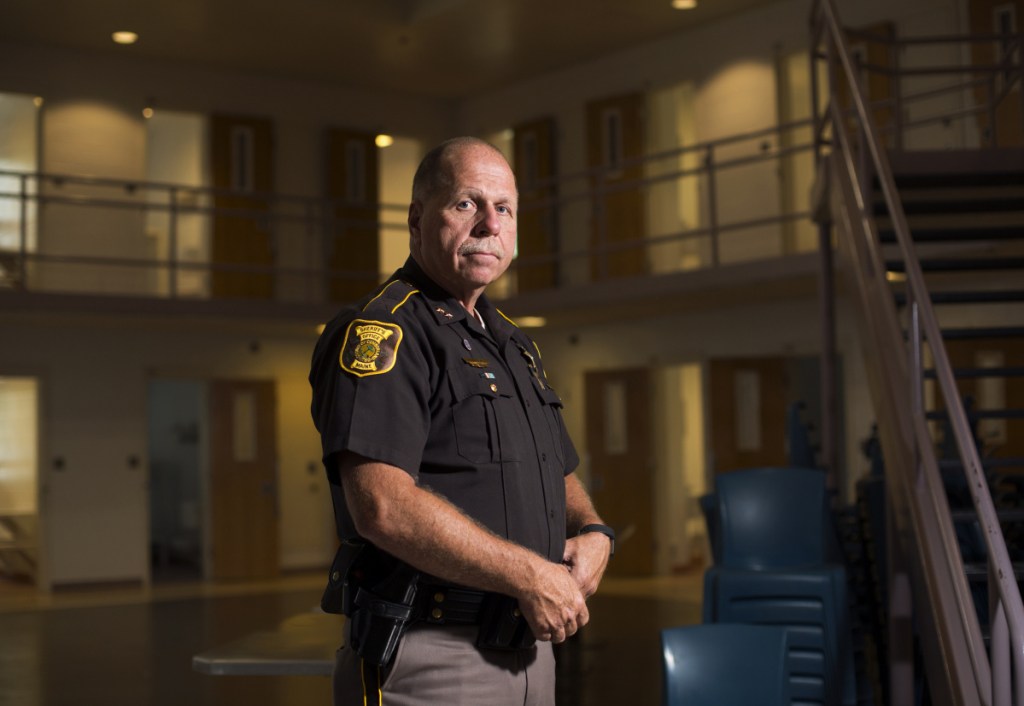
370 347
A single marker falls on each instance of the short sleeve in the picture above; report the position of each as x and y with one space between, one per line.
370 381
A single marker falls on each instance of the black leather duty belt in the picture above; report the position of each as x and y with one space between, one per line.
447 605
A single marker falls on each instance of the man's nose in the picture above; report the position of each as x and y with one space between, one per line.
489 223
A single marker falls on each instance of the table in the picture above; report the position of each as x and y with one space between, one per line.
303 644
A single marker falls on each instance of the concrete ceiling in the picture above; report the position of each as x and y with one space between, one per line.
435 48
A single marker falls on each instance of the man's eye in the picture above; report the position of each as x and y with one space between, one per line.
464 205
504 209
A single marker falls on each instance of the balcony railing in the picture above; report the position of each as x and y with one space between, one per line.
717 203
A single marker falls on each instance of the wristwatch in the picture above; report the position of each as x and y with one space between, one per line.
603 529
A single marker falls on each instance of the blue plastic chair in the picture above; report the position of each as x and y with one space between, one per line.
725 665
774 518
778 564
810 604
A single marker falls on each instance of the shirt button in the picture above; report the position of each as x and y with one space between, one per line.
543 457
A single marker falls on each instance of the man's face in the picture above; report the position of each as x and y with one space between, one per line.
464 235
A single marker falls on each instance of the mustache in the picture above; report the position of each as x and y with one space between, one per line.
485 247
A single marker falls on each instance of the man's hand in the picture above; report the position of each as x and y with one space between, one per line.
587 558
553 606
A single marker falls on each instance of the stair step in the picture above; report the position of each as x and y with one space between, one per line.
981 414
954 233
1004 514
947 179
974 373
977 297
991 204
980 570
960 264
961 334
953 464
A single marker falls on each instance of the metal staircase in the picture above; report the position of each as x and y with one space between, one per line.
932 250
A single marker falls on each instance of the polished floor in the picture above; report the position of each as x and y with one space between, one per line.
133 647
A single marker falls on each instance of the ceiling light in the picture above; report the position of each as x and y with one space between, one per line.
531 321
147 113
384 140
892 276
38 101
684 4
125 37
320 329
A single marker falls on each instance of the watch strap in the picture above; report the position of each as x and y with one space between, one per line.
602 529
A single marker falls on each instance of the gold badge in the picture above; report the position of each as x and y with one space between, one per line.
370 347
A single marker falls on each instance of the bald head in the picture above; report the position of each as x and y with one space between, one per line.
434 172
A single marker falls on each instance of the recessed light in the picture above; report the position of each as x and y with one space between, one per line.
684 4
147 113
125 37
383 140
531 321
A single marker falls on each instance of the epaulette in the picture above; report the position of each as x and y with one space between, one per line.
392 297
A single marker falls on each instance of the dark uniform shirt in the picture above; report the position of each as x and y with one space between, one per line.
407 377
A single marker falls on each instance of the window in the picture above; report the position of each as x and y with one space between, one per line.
611 142
355 171
242 177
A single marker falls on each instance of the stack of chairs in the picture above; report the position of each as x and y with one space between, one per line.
725 665
778 563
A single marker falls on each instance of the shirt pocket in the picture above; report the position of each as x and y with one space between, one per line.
551 406
481 409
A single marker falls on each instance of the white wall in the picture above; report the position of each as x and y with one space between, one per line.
94 374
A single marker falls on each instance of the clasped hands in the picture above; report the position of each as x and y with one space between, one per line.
556 607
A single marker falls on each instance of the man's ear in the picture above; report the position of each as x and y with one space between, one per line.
415 213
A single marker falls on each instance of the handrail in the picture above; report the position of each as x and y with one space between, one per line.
1006 667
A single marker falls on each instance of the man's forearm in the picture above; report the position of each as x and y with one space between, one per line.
434 536
429 533
579 509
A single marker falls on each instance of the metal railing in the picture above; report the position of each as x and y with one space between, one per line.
68 233
922 537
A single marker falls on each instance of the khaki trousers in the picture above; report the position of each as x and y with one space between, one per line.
440 665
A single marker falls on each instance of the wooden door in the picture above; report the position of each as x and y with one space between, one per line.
241 153
747 413
243 479
535 167
615 139
619 446
997 17
351 184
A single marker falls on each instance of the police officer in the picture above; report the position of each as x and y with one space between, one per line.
446 447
